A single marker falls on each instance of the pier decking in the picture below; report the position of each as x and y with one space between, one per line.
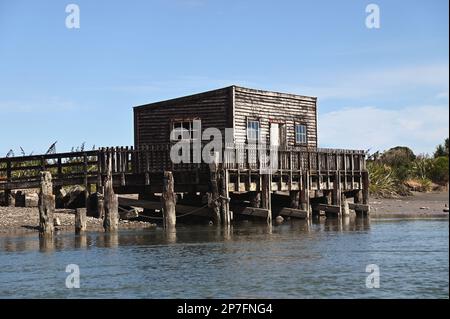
316 179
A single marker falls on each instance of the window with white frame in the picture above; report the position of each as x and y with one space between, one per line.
300 134
252 130
184 130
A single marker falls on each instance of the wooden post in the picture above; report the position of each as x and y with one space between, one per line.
336 196
304 193
111 203
46 205
255 199
168 201
100 201
294 197
266 195
9 198
345 211
226 218
215 196
365 190
80 220
328 196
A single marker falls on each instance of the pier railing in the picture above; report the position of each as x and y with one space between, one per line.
88 166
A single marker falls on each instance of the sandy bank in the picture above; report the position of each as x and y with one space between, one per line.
419 205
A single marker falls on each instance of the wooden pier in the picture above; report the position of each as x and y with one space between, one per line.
312 180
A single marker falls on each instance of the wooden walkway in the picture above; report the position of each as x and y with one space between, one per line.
305 173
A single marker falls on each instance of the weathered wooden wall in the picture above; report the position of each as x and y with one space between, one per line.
277 107
227 108
152 122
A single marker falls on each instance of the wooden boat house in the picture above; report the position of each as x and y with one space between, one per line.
306 181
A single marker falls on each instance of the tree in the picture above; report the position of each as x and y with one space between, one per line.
440 170
442 149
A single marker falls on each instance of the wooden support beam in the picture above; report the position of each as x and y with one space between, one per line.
9 199
359 207
293 213
157 205
328 196
168 201
255 199
357 197
257 212
266 192
304 193
214 201
226 218
111 204
365 190
46 205
328 208
80 220
345 211
294 198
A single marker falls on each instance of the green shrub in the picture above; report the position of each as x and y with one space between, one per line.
440 171
382 180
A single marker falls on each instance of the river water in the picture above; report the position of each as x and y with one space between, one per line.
322 259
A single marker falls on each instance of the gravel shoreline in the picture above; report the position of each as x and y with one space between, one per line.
17 220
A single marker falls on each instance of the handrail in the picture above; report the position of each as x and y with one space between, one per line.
156 157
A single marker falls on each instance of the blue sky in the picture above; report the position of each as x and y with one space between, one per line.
376 88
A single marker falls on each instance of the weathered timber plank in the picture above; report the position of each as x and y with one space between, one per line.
253 211
294 213
328 208
359 207
180 209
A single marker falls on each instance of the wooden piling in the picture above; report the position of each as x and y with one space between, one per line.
226 218
357 197
266 195
80 220
255 199
46 205
345 210
336 194
294 198
304 194
214 202
9 199
365 190
111 204
168 201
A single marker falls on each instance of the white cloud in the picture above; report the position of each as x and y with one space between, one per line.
50 104
384 82
419 127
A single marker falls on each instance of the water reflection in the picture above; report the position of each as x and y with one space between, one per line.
80 241
46 244
171 235
344 224
182 234
111 239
